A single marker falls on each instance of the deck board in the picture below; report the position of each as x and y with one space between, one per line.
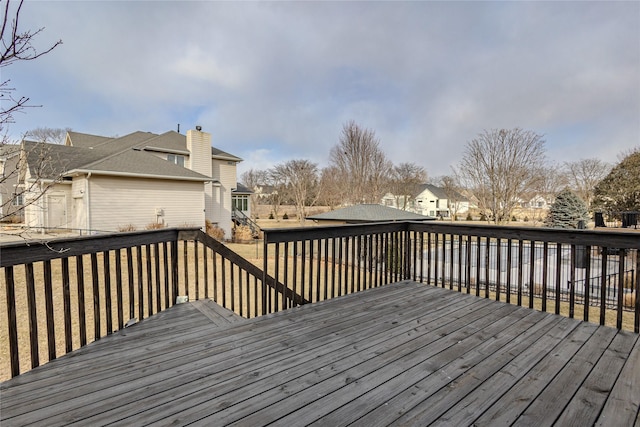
403 354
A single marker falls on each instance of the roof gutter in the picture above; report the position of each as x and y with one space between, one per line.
140 175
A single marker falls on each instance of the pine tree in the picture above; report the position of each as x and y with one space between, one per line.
620 190
567 211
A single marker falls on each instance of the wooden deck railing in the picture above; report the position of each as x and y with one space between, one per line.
64 294
61 295
587 274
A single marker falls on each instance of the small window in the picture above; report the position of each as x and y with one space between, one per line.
18 199
240 203
177 159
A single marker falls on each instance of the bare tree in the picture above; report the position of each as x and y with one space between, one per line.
48 135
301 180
360 161
279 194
451 186
252 179
331 191
584 175
404 182
17 45
500 165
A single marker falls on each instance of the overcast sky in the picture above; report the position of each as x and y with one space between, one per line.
275 81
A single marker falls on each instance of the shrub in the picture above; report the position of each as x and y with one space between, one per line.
127 227
469 217
526 219
214 231
538 289
154 226
285 216
483 217
243 233
513 218
271 216
629 299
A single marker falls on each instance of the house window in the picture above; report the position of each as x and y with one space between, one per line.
177 159
18 199
240 203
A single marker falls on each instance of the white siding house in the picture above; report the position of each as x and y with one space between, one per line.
100 184
431 201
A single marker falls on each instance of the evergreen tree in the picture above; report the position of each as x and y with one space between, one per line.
567 211
620 190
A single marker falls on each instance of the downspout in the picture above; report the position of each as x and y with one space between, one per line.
44 207
88 208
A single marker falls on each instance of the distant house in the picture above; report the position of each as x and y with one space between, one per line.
535 202
431 200
366 213
98 183
240 200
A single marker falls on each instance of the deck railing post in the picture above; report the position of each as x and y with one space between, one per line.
11 320
174 270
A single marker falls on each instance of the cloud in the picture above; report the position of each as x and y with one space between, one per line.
276 80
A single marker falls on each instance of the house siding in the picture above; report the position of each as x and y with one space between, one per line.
116 202
220 209
38 211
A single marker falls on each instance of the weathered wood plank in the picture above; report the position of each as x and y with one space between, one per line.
586 404
520 396
220 316
163 349
495 385
354 343
549 404
622 406
421 402
402 354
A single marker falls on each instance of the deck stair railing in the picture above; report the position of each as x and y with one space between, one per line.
240 218
61 295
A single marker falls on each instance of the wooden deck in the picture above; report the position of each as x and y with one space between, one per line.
403 354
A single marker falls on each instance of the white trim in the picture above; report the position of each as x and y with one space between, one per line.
140 175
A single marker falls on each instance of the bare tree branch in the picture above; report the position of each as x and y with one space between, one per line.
362 163
499 165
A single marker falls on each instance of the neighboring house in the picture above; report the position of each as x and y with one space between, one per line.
11 197
96 183
430 200
264 192
366 213
240 200
535 202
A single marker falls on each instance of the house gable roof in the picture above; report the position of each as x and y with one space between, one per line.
52 161
127 155
241 189
369 213
438 192
170 142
